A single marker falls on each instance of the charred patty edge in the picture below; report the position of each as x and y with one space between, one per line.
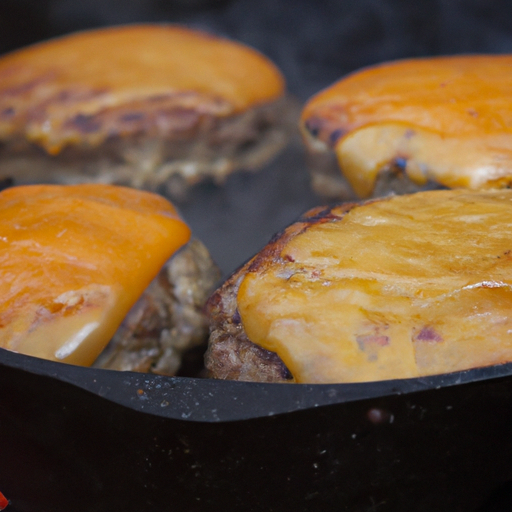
231 355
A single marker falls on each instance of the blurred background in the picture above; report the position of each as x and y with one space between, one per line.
314 42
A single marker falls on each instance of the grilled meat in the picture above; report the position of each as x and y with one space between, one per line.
77 259
443 122
153 106
400 287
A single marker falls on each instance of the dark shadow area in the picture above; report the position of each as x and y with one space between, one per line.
500 500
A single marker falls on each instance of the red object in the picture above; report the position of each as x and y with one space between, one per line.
3 501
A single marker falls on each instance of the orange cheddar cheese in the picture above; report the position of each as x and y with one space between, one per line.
73 261
443 120
400 287
50 91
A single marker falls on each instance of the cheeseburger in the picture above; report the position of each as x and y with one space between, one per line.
400 287
150 106
91 267
404 126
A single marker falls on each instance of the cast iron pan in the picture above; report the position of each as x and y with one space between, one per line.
77 439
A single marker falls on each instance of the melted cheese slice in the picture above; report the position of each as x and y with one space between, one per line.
44 87
73 261
405 287
446 119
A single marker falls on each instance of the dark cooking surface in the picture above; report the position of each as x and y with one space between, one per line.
66 447
237 220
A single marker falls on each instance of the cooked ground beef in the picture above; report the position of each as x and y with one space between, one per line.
231 355
168 320
189 146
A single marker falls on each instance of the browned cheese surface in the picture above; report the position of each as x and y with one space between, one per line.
396 288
